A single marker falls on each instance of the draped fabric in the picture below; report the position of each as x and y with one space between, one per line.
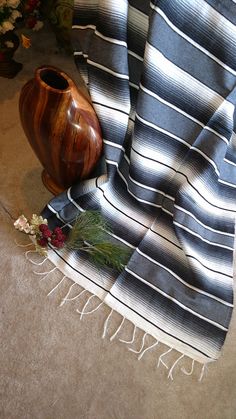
161 76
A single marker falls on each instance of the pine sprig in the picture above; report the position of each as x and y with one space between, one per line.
90 234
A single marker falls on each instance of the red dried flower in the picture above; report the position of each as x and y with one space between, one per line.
43 227
57 243
57 230
57 234
46 234
30 22
42 242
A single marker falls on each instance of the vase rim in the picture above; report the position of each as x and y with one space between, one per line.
61 83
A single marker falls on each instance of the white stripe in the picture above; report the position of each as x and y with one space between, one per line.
57 215
114 144
151 189
176 301
232 185
139 199
191 41
135 55
120 239
149 92
207 158
73 202
230 162
111 234
183 282
131 178
167 212
204 225
201 238
131 193
100 35
83 27
108 70
198 187
134 85
81 53
156 127
108 106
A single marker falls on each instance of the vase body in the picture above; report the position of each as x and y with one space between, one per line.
8 66
61 126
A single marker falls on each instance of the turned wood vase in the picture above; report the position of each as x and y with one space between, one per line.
61 126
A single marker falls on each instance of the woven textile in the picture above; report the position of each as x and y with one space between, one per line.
161 76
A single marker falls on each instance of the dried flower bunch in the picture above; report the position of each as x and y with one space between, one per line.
25 12
42 236
30 10
8 15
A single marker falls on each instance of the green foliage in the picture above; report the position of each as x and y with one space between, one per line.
90 234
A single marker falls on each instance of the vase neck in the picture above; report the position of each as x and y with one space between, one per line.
53 80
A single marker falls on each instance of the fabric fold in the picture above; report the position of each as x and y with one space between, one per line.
164 93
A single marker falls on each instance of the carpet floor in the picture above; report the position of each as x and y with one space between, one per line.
52 365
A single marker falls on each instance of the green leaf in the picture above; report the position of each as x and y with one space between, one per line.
90 234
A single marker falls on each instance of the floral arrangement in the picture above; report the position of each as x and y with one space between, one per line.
14 13
30 10
89 234
8 15
39 231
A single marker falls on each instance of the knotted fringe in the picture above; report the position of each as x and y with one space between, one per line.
141 351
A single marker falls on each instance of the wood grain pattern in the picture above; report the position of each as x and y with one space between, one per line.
61 126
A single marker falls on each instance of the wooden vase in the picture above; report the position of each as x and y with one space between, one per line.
61 126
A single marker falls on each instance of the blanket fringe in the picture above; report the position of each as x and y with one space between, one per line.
142 345
142 350
83 312
23 245
117 331
31 260
133 337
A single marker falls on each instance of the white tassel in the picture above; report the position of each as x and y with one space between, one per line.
23 245
117 331
173 366
143 343
105 324
82 313
56 286
31 260
133 337
202 372
191 371
43 273
160 359
88 312
68 293
147 349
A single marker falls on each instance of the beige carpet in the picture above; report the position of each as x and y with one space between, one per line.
52 365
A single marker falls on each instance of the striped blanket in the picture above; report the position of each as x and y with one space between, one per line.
161 76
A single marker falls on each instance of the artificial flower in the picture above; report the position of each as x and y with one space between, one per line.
9 44
37 220
13 3
6 26
15 14
22 224
30 21
40 233
25 41
38 25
